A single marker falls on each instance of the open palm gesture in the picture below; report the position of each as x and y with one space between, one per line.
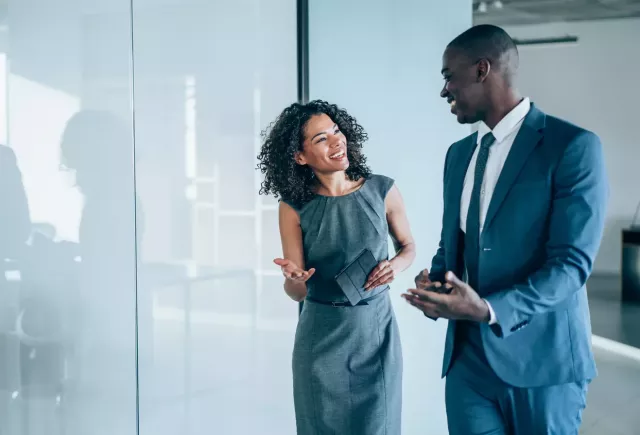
292 271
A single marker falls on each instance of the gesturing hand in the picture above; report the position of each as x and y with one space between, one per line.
462 303
422 280
383 273
291 271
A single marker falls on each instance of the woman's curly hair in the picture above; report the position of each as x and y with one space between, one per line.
283 177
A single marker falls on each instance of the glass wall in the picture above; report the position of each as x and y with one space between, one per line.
216 329
67 221
137 293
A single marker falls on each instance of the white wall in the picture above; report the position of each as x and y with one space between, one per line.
594 84
381 61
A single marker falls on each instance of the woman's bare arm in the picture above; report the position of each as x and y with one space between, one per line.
293 262
400 231
403 242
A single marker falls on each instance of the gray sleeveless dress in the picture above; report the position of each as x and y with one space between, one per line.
347 360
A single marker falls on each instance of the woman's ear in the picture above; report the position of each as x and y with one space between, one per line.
299 158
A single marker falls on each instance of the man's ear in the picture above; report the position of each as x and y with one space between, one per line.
483 69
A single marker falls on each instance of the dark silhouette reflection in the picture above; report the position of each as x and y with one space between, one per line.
97 147
15 227
15 224
68 310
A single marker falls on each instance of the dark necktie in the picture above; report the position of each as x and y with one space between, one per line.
472 234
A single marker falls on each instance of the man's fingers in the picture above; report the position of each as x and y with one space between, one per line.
453 279
429 309
429 296
422 280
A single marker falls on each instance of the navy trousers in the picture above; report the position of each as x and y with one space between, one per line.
480 403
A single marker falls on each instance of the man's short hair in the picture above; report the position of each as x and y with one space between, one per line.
486 41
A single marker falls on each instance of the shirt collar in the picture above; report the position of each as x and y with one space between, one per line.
508 124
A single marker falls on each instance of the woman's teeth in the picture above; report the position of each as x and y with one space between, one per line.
337 155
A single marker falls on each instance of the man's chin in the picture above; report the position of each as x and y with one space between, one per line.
463 119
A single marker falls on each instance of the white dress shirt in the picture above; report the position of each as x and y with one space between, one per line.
505 133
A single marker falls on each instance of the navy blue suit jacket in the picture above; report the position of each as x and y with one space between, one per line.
540 237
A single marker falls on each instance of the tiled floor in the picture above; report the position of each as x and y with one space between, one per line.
609 317
614 397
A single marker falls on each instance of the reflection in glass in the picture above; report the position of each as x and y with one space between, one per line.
67 222
152 289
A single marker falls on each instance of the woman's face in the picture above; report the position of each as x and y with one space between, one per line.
324 147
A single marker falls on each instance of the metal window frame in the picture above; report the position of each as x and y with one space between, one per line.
303 61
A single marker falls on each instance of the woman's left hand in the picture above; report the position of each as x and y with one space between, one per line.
383 273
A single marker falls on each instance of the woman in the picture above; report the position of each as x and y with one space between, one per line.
347 359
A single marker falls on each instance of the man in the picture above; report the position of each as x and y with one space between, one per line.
524 209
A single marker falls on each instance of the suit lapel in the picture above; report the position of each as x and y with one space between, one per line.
455 184
526 141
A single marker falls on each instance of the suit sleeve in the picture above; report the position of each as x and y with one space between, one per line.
438 263
577 217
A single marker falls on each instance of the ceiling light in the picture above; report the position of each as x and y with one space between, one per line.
498 4
482 7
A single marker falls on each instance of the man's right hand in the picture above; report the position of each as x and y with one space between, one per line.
292 271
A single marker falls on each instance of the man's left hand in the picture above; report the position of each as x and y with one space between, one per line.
462 303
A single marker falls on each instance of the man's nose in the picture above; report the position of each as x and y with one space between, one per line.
444 93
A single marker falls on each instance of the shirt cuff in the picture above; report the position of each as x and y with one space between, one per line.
492 314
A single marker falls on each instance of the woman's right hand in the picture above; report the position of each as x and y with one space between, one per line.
291 271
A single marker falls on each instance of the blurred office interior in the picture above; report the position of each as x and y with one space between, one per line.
138 293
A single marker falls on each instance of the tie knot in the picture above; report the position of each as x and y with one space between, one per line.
487 140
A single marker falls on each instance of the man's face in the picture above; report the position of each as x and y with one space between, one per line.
464 86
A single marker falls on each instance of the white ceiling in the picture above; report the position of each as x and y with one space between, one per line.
514 12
